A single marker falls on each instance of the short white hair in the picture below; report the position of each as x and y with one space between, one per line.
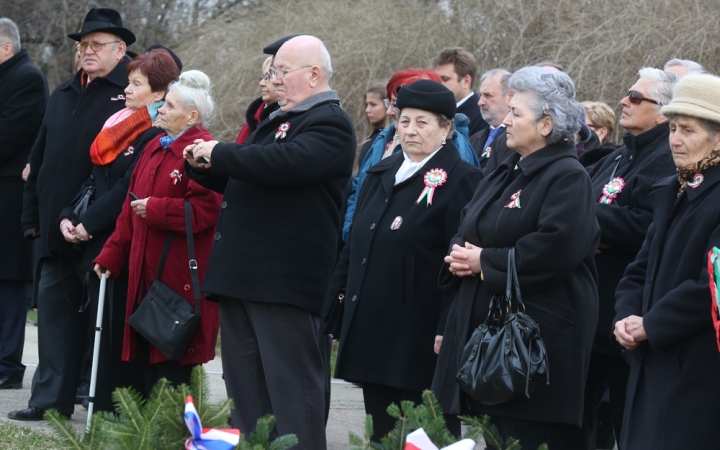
661 90
193 88
9 34
691 66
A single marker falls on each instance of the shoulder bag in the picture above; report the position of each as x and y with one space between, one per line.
80 204
505 358
164 317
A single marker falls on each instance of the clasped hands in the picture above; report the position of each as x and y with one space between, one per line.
73 233
197 150
465 260
630 331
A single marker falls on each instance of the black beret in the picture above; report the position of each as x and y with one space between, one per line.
427 95
174 56
273 48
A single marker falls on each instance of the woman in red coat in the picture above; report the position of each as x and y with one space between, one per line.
161 186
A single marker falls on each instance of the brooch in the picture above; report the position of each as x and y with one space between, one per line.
282 131
176 176
129 151
611 190
433 178
396 223
514 200
697 180
118 98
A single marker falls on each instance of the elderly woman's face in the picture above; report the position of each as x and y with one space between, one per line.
689 142
524 134
173 117
138 93
420 133
267 89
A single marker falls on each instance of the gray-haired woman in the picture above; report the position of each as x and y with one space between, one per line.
538 201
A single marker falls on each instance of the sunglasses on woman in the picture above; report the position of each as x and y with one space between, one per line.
636 98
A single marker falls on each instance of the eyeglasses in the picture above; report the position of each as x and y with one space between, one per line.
94 45
266 77
280 73
636 98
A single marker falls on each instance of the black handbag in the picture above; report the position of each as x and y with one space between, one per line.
505 358
334 319
80 204
164 317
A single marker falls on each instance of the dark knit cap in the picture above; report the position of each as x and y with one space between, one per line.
429 96
174 56
273 48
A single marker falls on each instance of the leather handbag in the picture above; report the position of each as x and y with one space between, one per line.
334 319
505 358
80 204
164 317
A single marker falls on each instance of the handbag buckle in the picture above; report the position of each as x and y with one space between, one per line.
193 264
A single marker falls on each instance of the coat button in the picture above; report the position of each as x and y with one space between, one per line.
354 298
152 172
364 260
149 281
372 226
217 236
386 200
187 287
223 205
191 350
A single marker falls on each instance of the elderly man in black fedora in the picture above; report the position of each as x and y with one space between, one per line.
59 164
23 96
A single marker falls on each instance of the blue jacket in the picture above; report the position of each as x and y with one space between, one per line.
374 155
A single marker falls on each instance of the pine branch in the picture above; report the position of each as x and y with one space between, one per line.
64 430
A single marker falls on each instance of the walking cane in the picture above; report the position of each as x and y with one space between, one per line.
96 350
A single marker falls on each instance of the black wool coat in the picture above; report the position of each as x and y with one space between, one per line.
471 109
673 395
111 183
389 276
60 159
498 149
23 96
642 162
277 235
555 235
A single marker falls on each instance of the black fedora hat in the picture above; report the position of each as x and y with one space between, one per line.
104 20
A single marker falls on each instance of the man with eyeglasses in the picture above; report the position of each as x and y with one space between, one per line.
275 246
59 164
622 183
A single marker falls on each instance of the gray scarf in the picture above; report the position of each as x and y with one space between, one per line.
308 103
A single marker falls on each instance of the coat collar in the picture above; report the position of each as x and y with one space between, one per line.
309 103
650 139
668 187
17 60
547 155
445 158
185 139
118 76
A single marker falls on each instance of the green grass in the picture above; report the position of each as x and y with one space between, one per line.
22 438
333 357
32 316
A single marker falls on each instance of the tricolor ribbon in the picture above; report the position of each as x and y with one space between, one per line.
713 267
129 151
207 438
419 440
176 176
118 98
433 178
697 180
282 131
611 190
486 152
514 200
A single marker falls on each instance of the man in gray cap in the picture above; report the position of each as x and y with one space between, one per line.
59 164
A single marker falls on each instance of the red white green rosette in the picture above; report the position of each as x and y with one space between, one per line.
611 190
433 179
282 131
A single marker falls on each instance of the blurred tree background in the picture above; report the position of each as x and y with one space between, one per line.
601 43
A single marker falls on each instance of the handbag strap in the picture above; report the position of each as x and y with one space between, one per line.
163 256
191 253
513 282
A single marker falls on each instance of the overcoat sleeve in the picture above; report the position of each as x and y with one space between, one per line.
30 215
685 310
207 178
551 253
629 293
317 153
21 112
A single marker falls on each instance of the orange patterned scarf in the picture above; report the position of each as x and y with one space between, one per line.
114 140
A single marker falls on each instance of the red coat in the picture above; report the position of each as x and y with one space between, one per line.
142 240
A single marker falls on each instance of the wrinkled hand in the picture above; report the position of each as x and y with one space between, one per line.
99 270
630 331
140 206
438 343
81 233
464 261
68 230
201 149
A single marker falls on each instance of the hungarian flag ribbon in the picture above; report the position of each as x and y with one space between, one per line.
713 273
514 200
611 190
419 440
207 438
433 178
282 131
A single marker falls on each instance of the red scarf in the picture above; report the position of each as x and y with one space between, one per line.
114 140
245 130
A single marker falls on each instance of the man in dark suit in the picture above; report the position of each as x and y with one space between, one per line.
457 69
490 144
23 96
276 242
59 164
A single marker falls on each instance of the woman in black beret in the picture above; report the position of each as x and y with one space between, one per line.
407 212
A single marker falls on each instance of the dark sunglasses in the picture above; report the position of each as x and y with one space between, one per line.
636 98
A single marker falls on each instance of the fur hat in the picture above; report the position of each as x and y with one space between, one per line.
429 96
104 20
696 95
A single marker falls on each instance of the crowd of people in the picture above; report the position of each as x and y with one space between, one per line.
397 244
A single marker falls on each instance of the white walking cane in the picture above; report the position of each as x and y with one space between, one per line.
96 350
